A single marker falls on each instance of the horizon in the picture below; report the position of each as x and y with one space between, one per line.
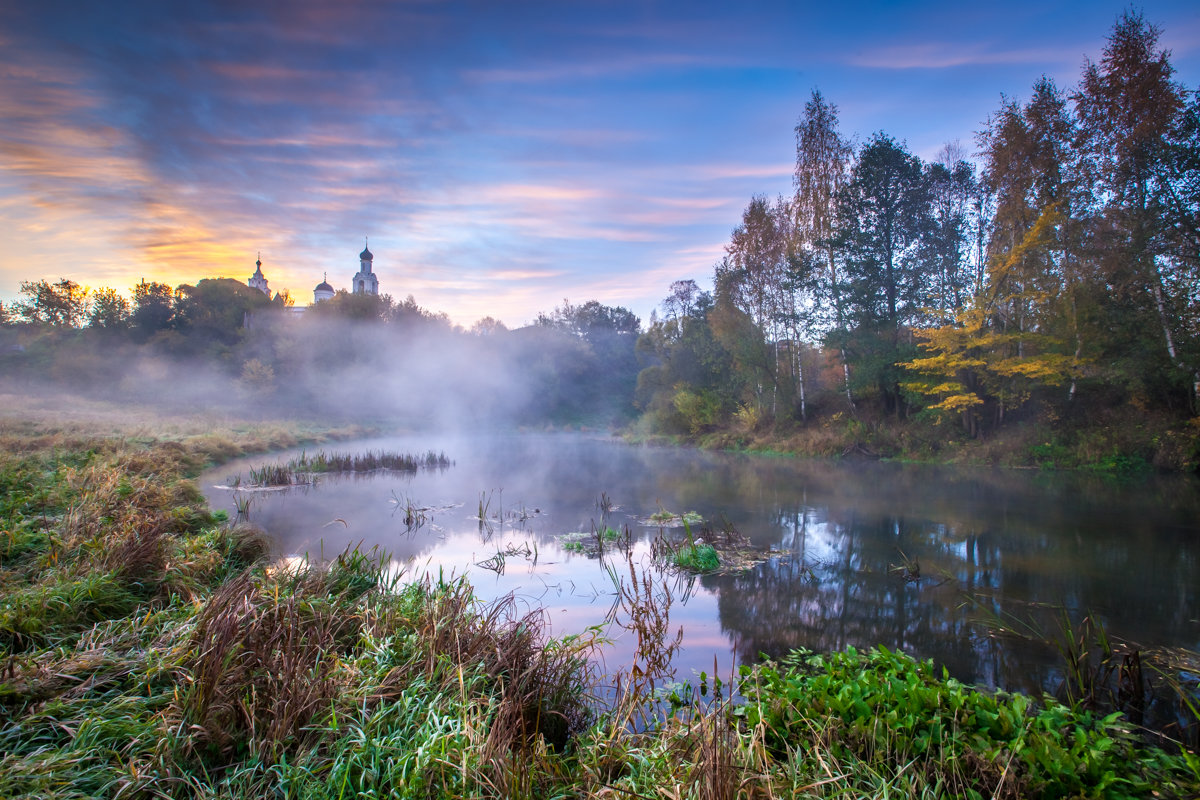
498 160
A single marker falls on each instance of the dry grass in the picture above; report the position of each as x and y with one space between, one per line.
263 665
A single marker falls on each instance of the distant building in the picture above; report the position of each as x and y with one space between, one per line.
258 280
365 282
323 291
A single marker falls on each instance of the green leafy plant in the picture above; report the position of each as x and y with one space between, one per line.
697 558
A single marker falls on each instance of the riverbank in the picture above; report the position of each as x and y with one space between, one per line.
148 650
1112 442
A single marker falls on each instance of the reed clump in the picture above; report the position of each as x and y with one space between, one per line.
302 469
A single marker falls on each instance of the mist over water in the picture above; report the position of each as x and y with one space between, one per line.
359 359
912 557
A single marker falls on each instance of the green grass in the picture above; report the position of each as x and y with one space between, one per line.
697 558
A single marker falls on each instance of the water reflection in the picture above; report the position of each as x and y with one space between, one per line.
906 556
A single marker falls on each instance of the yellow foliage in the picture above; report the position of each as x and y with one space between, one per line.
980 356
958 402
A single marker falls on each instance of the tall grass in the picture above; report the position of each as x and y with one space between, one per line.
300 470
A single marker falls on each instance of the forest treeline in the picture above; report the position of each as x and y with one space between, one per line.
1054 277
1042 288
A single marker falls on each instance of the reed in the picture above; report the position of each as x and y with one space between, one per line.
302 469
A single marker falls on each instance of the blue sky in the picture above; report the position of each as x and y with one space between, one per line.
501 156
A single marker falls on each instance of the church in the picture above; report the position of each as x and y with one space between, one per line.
365 281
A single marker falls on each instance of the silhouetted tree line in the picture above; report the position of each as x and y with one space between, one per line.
352 355
1062 273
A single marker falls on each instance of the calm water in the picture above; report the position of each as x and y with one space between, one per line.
912 557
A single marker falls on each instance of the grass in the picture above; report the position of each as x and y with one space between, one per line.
300 470
597 542
697 558
147 649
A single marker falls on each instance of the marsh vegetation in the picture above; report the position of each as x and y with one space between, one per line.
151 648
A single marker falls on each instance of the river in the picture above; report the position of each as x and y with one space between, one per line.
922 558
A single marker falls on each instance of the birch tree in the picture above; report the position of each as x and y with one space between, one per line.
823 158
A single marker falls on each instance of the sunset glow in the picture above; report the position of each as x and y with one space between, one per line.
501 157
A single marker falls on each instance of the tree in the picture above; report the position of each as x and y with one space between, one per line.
978 361
60 305
952 187
153 308
215 310
1030 167
1129 106
110 311
1177 187
590 320
883 218
754 278
488 326
689 381
355 306
681 302
823 159
607 364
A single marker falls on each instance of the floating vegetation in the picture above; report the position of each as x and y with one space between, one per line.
697 558
667 519
300 471
909 568
597 541
274 475
415 515
723 549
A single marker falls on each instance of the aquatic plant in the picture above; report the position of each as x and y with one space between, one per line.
665 518
414 514
302 469
864 710
697 558
242 503
1158 688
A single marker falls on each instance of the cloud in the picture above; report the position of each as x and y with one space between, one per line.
947 55
583 69
739 171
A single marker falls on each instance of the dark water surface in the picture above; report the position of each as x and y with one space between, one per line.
911 557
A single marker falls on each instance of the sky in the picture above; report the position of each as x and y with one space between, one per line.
501 156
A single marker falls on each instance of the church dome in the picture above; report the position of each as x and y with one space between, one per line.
365 255
323 287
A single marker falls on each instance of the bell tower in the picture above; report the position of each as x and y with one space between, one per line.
365 281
